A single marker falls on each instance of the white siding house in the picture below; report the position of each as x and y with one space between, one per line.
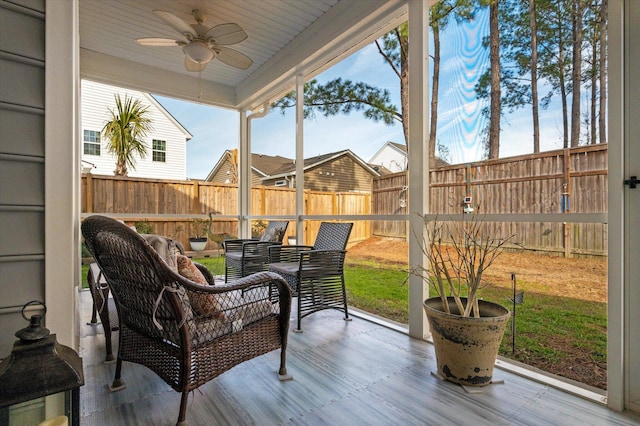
392 155
166 144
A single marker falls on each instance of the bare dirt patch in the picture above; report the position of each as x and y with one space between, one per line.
578 278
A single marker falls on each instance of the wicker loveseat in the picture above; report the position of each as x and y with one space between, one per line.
187 333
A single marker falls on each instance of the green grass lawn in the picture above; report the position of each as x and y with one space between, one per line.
379 289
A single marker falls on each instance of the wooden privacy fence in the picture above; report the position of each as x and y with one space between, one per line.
570 180
143 197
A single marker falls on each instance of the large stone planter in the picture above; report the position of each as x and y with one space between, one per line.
466 347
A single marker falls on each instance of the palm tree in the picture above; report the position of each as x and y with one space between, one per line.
126 130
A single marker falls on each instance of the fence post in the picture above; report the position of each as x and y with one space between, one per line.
263 201
567 190
195 202
89 193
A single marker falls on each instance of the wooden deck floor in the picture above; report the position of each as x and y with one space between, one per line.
346 373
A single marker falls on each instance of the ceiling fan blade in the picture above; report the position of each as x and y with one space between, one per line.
226 34
192 65
176 23
233 58
153 41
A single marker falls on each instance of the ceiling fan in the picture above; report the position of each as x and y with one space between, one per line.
202 44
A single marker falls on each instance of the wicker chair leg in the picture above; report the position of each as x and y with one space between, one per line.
118 384
298 329
94 312
107 342
282 373
183 409
344 297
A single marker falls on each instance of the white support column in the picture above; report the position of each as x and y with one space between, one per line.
616 125
62 169
244 176
299 158
418 157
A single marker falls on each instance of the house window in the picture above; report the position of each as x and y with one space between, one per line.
282 182
159 151
91 140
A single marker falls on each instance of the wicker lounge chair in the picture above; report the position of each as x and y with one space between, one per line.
187 333
316 273
244 257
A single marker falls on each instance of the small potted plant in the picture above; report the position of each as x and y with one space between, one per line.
199 232
466 331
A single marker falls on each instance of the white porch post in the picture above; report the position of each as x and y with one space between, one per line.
616 124
244 176
418 157
62 170
299 158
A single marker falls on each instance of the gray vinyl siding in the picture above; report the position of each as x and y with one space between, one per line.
22 160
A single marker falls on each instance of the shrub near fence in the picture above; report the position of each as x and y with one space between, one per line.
570 180
143 197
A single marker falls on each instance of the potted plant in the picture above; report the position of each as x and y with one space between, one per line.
199 232
466 331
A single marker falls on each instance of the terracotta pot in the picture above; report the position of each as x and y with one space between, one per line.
466 347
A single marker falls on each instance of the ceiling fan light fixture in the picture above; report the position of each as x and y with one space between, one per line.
199 52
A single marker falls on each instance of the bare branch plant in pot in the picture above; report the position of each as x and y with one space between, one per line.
199 231
466 331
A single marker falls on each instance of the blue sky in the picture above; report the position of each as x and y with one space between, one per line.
459 119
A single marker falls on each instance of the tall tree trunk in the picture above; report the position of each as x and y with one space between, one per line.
594 85
434 95
562 83
602 124
563 96
534 76
403 42
577 73
494 58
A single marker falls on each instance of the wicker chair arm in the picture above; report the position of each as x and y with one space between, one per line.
322 263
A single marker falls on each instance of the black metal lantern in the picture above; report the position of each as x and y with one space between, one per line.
38 367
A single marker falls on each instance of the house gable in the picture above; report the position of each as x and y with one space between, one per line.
392 156
225 170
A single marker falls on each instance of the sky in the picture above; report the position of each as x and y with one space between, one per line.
216 129
460 121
